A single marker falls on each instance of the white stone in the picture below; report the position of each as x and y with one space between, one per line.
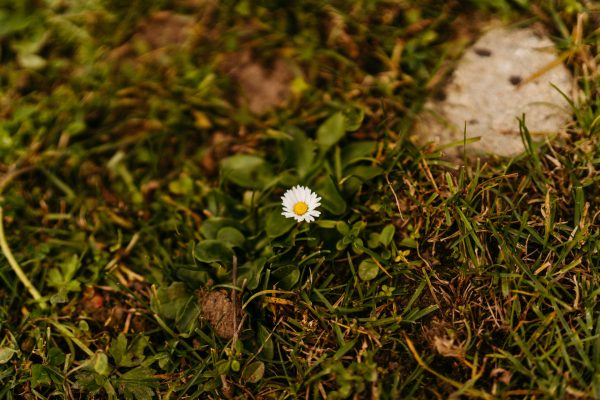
490 89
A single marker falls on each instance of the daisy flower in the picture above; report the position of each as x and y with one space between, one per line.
301 203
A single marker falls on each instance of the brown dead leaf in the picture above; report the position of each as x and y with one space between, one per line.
443 338
217 308
501 375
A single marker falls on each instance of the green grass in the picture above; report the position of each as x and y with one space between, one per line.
137 185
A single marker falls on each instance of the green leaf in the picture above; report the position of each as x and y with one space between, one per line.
368 270
118 349
13 22
353 118
264 338
326 223
357 151
70 266
184 185
331 199
409 242
387 235
231 235
55 278
210 251
364 172
374 240
251 272
247 171
254 372
101 364
342 227
187 317
31 61
39 375
170 300
56 357
331 131
300 152
277 225
212 226
286 277
138 346
137 383
6 354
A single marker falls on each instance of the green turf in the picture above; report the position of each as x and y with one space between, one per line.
136 182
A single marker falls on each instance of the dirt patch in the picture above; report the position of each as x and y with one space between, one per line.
263 87
157 36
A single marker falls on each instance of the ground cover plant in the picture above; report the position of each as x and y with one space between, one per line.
144 150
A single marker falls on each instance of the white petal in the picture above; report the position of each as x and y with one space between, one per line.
298 194
293 195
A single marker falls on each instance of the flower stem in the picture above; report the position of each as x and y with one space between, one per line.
15 266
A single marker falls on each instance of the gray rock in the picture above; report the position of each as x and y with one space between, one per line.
492 87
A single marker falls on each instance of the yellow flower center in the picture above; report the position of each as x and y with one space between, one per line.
300 208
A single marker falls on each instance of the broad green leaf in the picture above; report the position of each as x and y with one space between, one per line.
137 383
101 364
13 22
117 350
300 152
70 266
254 372
364 172
331 131
59 297
248 171
55 278
305 153
276 224
187 317
286 277
211 227
170 300
387 235
231 235
353 118
342 227
39 376
264 338
139 344
409 242
193 275
56 357
139 374
326 223
184 185
31 61
331 199
357 151
6 354
210 251
251 272
368 270
374 240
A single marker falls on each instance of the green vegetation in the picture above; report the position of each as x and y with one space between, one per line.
143 154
